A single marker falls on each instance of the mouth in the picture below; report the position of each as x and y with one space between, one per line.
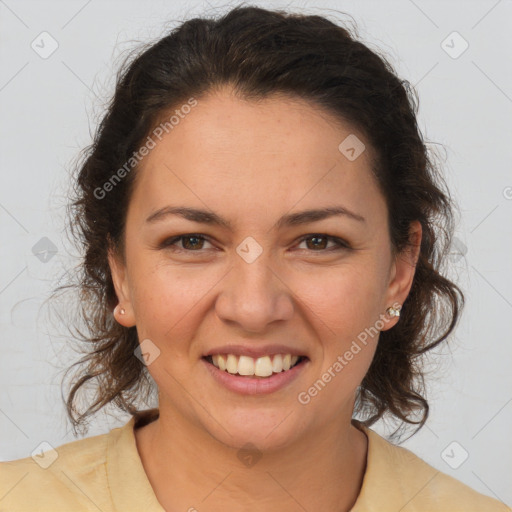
263 367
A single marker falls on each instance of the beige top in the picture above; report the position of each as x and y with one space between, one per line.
105 473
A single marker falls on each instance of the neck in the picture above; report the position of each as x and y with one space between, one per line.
188 469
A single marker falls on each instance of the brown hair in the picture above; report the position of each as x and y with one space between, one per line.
261 52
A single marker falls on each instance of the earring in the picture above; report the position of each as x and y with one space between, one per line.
122 311
394 311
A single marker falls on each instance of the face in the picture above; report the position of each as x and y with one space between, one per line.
255 279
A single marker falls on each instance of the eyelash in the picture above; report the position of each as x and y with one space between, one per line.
171 242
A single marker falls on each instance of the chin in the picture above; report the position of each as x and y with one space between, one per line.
265 429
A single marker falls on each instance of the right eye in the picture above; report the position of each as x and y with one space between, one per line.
190 242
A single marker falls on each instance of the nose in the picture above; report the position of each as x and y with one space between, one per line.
254 295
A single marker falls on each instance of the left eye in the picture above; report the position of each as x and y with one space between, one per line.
319 241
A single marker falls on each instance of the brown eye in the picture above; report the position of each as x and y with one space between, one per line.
192 242
318 242
189 243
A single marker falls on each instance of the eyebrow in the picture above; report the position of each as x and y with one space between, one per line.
291 219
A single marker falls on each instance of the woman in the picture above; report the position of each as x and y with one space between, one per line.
257 212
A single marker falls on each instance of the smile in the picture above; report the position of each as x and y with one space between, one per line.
264 366
259 376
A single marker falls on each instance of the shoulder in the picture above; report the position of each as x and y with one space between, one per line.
397 479
62 478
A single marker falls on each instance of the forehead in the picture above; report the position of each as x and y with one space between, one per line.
271 153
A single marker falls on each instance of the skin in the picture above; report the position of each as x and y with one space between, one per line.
252 162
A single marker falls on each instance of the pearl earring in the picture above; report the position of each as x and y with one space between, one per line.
122 311
394 311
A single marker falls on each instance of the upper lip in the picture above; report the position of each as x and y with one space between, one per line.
255 351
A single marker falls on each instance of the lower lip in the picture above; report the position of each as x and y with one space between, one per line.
255 386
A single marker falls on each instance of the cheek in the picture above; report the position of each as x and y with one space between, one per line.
164 297
343 307
346 299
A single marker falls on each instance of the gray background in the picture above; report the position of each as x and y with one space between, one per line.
50 106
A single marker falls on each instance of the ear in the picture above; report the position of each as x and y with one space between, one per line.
121 285
403 270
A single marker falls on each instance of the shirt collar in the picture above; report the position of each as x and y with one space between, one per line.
129 485
394 476
131 490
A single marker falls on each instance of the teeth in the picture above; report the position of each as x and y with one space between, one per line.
245 365
277 363
261 367
232 364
